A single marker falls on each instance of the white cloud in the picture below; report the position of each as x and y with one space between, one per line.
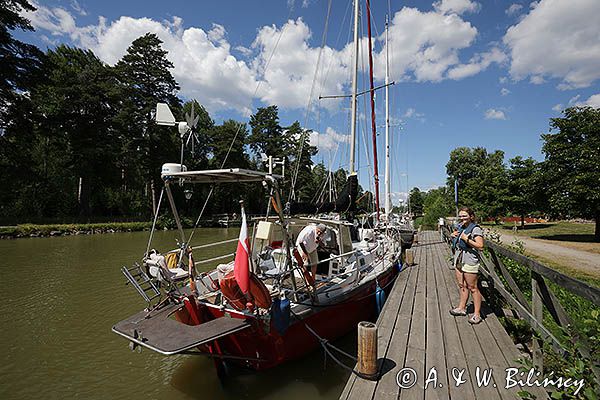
412 113
513 9
494 114
537 79
573 100
398 197
477 64
288 79
557 39
592 101
203 64
558 107
424 46
504 91
330 140
456 6
503 79
75 6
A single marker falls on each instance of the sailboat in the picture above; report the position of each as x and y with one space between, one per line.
274 312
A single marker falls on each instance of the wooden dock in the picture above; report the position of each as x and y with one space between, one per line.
425 352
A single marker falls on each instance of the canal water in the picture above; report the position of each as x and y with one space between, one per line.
62 295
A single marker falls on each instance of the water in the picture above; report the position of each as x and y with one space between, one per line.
60 298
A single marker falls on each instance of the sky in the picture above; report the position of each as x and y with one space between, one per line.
477 74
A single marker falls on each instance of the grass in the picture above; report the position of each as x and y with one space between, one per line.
568 234
562 265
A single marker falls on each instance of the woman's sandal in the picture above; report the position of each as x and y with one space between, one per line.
458 312
475 319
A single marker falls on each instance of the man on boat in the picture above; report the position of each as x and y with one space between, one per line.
307 243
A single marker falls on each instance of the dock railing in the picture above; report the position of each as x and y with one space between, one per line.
499 278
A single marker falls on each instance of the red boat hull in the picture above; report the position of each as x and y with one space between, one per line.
262 347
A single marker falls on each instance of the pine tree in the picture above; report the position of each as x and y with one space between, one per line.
144 73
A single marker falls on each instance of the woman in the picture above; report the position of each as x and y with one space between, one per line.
467 242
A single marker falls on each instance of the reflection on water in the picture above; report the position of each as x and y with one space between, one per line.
60 298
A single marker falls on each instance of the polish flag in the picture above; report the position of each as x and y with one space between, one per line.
241 268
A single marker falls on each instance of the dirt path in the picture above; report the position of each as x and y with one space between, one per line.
583 261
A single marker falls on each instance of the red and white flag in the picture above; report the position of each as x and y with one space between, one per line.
241 265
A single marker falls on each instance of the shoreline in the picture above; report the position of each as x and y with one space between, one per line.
22 231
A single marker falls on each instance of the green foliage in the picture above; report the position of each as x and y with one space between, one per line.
482 180
26 230
526 192
301 163
416 201
571 169
267 135
437 204
145 79
585 328
21 62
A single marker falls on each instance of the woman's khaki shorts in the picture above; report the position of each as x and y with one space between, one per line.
471 269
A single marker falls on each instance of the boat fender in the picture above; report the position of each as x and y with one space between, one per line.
379 298
280 314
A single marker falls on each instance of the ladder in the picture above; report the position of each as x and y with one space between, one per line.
141 282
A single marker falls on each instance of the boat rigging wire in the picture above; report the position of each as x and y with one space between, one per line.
155 219
239 128
291 195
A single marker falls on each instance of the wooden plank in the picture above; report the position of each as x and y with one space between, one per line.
357 388
503 354
472 349
435 357
387 387
415 352
573 285
455 356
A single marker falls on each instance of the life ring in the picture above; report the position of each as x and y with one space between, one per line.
257 292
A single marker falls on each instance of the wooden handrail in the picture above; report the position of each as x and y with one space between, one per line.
573 285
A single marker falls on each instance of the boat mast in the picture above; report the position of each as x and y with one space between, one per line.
354 96
373 127
388 200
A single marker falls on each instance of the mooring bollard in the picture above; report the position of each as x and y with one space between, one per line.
367 350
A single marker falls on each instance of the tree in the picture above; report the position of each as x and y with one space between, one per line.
482 179
301 162
21 62
198 150
438 203
267 134
76 101
525 187
227 153
144 72
415 199
571 167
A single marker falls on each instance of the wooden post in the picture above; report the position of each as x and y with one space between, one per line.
409 257
537 311
367 350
